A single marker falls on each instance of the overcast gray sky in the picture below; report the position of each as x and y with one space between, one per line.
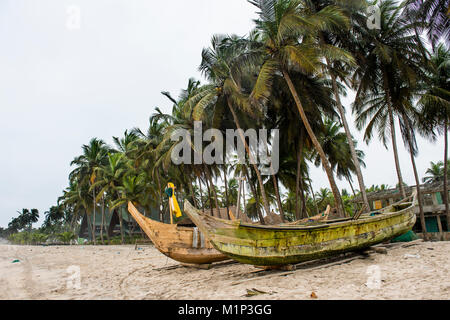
61 85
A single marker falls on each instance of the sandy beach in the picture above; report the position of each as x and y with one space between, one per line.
122 272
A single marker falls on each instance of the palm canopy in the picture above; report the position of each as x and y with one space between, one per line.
434 99
434 14
435 173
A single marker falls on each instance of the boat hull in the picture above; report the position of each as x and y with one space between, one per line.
281 245
183 244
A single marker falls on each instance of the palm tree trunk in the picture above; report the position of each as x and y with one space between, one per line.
277 194
209 190
396 159
201 194
89 223
303 212
107 227
325 163
298 214
255 196
393 136
314 197
103 220
416 176
255 167
226 191
191 190
213 187
93 219
349 180
447 211
161 218
121 225
351 143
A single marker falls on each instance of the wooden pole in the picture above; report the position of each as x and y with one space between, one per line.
170 208
441 232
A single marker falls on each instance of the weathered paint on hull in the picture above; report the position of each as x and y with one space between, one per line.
273 246
176 242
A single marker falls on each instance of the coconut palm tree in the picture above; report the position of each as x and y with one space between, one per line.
435 105
87 166
434 14
337 148
338 37
435 173
384 56
287 34
225 92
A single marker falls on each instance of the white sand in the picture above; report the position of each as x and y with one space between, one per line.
121 272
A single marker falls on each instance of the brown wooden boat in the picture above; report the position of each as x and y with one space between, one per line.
185 244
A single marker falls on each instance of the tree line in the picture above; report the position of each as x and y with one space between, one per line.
289 73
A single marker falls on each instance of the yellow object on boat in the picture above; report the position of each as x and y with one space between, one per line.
175 208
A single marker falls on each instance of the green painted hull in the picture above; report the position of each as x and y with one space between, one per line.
281 245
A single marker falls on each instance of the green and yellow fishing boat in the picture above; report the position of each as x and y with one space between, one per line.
290 244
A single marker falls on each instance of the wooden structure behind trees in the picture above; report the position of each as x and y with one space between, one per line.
433 205
112 224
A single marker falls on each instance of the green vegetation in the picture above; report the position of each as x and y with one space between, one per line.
290 74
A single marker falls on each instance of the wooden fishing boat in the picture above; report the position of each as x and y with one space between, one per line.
289 244
184 244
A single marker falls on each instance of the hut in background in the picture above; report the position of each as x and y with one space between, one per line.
433 206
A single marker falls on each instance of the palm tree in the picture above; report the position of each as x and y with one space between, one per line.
77 197
87 165
383 56
224 91
435 15
435 173
435 105
110 178
287 32
338 38
337 148
146 155
27 218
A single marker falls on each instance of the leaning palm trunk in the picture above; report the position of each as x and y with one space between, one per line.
201 194
297 182
362 186
277 193
393 136
255 196
394 147
304 211
447 211
216 202
226 191
314 197
247 149
209 191
325 163
191 190
349 180
416 176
